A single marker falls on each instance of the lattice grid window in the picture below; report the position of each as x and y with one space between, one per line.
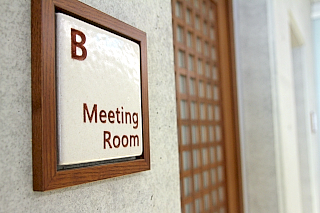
199 105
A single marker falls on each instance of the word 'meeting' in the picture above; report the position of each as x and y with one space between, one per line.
118 116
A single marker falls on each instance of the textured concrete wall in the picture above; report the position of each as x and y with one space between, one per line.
156 190
256 110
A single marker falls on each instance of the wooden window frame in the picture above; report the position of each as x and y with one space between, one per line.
229 100
233 157
46 175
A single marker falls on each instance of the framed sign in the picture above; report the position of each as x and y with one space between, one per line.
89 96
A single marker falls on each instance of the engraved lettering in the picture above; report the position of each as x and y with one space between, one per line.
102 115
133 138
114 139
122 114
117 140
118 112
106 140
111 116
135 120
118 116
75 44
128 115
93 113
127 141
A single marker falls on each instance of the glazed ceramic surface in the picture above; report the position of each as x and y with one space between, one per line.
98 97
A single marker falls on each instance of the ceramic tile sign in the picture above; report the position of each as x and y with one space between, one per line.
98 93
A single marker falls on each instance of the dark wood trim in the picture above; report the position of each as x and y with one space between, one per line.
233 155
44 137
235 106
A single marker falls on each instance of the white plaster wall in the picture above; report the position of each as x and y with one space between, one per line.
296 158
156 190
316 34
271 159
286 111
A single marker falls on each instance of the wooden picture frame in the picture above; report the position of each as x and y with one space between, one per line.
46 175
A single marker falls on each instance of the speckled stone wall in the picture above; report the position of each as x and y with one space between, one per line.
156 190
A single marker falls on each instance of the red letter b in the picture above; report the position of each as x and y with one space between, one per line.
75 44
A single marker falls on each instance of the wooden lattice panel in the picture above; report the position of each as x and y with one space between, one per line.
199 106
